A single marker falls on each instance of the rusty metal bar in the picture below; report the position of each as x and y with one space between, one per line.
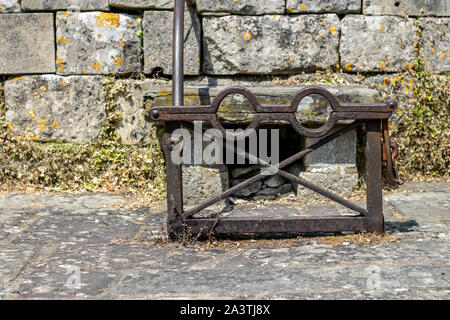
375 117
174 176
178 54
375 219
270 225
281 165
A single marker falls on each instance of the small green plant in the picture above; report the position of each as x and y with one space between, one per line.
423 133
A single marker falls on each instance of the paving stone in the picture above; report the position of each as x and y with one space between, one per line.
97 43
55 108
422 206
142 4
425 186
75 5
321 6
67 204
27 43
407 7
436 43
116 261
242 281
13 258
368 44
62 284
12 224
132 257
52 229
9 6
269 44
240 7
158 35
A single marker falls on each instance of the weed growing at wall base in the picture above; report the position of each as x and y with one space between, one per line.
103 165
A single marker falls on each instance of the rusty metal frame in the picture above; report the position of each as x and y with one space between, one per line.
373 116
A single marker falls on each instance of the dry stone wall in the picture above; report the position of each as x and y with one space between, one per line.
54 55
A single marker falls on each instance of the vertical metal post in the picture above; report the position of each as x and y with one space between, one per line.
178 54
174 172
375 219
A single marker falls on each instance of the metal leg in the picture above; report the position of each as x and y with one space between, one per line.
174 173
375 219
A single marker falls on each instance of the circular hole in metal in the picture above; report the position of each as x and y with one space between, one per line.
313 111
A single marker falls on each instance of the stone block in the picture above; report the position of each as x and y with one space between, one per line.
436 44
55 108
339 151
397 86
340 179
158 35
323 6
267 44
27 43
202 183
376 43
407 7
142 4
133 128
236 109
74 5
9 6
249 7
97 43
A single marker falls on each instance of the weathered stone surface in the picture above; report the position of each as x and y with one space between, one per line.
158 35
249 190
269 44
241 7
97 43
27 43
414 204
409 7
285 188
339 151
142 4
61 284
320 6
436 43
9 6
13 259
236 109
133 128
239 172
376 43
75 5
51 107
51 229
202 183
117 261
338 178
397 86
274 181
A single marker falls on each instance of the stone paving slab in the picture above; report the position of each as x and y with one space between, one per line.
88 246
